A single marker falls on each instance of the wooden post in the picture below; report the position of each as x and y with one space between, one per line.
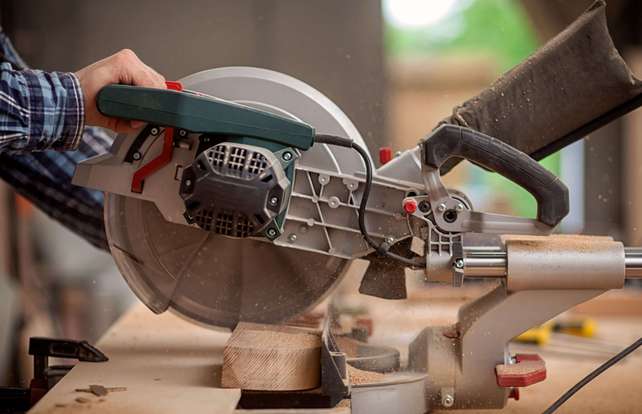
272 358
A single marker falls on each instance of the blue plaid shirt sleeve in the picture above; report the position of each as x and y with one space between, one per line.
39 110
43 138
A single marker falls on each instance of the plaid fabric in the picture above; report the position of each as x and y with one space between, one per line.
40 110
42 115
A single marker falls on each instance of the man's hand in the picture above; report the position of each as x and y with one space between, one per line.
123 67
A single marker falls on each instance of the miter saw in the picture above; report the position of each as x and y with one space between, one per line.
248 194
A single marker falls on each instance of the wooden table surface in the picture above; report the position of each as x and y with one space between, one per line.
169 365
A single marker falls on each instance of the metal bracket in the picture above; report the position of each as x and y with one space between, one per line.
478 343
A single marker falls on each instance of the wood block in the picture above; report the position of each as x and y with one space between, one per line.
272 358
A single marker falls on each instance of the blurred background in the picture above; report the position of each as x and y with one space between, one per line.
395 67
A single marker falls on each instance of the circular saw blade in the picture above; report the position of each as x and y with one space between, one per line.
218 280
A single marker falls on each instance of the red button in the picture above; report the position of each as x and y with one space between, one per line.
410 205
385 155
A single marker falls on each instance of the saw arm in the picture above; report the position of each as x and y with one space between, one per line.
315 203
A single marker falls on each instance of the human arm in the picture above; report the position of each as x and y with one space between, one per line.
48 110
44 177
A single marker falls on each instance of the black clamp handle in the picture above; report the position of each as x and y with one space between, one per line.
449 141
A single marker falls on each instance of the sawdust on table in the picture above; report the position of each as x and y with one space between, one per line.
359 376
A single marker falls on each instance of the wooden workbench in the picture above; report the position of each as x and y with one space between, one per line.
169 365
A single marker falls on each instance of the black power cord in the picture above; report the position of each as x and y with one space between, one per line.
590 377
383 248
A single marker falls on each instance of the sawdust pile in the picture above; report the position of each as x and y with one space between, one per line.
359 376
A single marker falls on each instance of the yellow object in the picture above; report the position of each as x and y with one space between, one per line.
584 327
539 335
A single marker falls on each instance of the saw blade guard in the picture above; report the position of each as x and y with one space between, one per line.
218 280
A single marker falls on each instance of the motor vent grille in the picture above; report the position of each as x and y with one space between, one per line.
204 219
225 223
257 164
238 161
216 156
235 190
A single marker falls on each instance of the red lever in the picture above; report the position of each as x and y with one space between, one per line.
385 155
163 158
528 369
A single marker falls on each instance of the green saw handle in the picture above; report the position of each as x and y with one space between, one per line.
450 141
201 114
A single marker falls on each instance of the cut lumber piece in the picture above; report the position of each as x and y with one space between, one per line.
272 358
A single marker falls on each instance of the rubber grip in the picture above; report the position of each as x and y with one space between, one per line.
454 141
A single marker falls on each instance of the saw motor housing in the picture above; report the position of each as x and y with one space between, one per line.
238 190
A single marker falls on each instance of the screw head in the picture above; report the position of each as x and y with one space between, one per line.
182 133
350 185
292 238
271 232
136 155
154 131
459 263
447 401
188 183
441 207
274 201
459 207
287 155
